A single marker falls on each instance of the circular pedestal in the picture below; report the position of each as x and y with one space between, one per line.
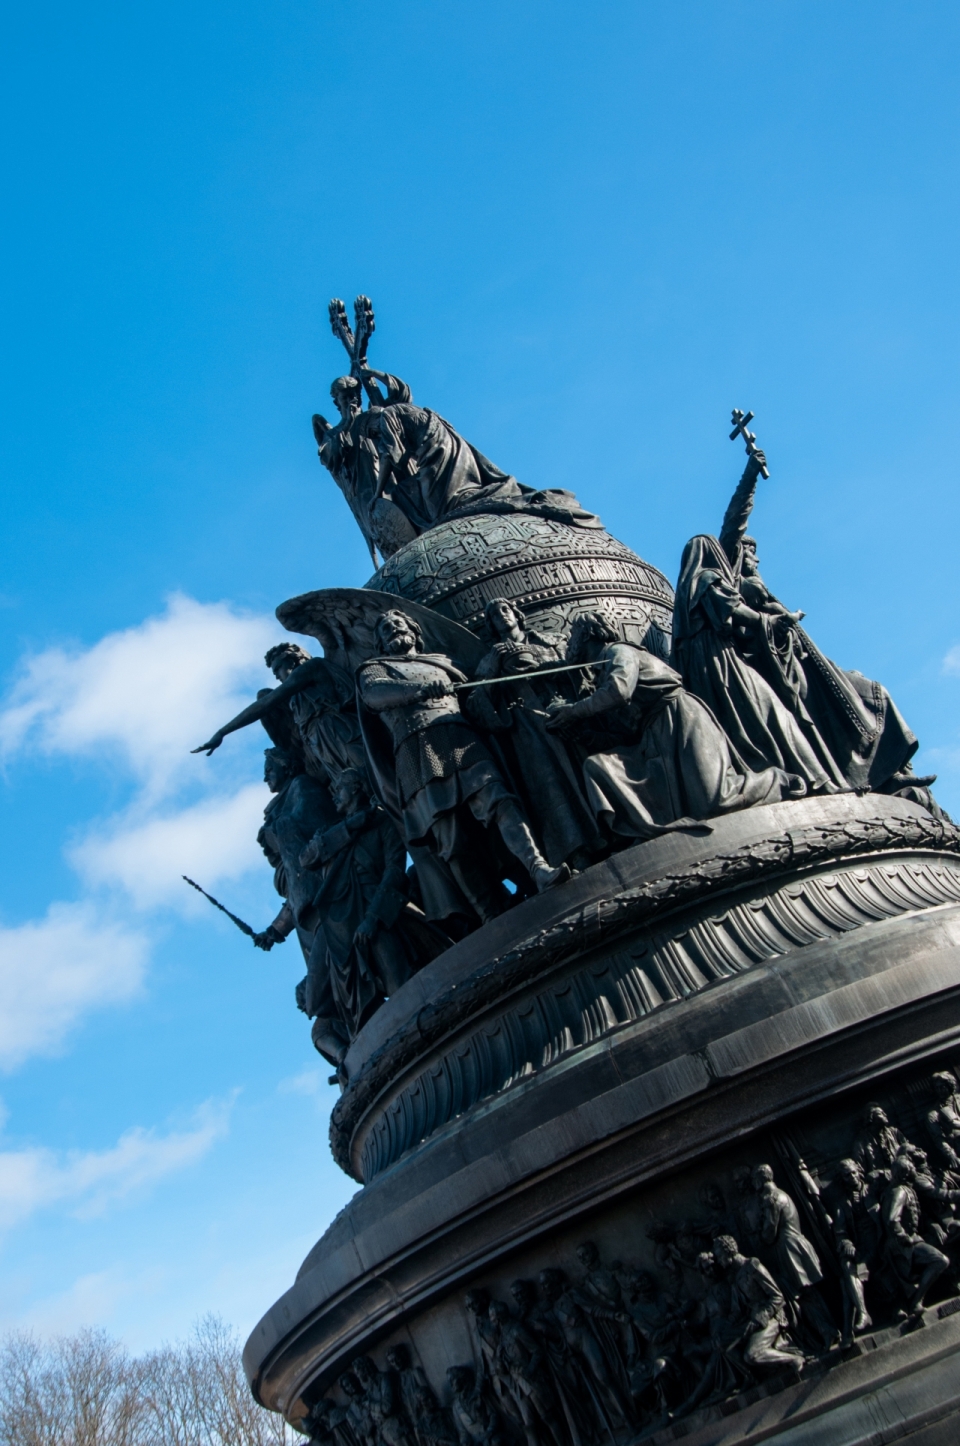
598 1065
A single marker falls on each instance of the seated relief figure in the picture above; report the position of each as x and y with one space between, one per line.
655 757
447 781
736 644
546 776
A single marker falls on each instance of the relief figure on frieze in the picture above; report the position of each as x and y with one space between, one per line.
916 1263
476 1419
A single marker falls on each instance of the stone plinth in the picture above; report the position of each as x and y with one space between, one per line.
585 1065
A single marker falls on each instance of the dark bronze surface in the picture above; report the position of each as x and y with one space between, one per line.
639 963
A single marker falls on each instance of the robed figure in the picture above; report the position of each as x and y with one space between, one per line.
545 774
375 937
656 758
850 721
708 620
403 468
301 807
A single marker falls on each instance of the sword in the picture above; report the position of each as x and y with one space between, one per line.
524 677
217 904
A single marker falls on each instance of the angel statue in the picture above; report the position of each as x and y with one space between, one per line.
401 467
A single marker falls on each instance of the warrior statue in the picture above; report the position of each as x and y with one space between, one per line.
376 939
447 781
301 807
545 773
312 712
401 467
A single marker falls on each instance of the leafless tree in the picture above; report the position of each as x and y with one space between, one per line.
86 1390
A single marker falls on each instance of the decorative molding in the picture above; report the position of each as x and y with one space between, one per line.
629 983
549 569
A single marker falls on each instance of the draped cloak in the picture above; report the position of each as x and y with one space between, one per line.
761 730
396 455
674 766
364 879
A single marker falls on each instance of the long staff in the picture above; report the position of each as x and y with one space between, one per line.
217 905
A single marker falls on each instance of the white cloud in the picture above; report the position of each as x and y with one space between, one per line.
90 1180
212 840
951 662
89 1301
150 693
142 697
310 1082
57 968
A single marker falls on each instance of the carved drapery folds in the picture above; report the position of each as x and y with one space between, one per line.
521 696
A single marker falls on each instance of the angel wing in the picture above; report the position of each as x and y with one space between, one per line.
343 619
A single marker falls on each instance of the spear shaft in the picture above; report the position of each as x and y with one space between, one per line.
246 929
525 677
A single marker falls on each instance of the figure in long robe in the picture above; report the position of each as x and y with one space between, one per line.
849 719
761 729
656 757
403 469
300 807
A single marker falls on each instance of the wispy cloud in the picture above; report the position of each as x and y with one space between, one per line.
951 662
54 970
142 697
212 840
147 694
91 1180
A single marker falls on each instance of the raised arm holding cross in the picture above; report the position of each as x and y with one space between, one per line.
740 420
737 515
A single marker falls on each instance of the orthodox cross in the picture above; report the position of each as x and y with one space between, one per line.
355 342
740 420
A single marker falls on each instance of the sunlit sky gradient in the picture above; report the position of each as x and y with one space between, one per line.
589 231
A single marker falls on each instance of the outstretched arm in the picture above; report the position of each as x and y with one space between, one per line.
616 687
737 515
300 678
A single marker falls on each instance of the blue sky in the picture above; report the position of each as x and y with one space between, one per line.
588 232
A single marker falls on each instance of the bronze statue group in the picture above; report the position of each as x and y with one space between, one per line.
422 791
750 1289
414 802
